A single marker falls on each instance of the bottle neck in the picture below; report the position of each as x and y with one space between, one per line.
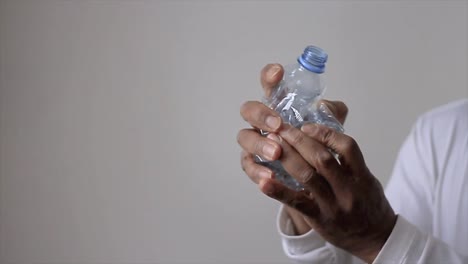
310 67
313 59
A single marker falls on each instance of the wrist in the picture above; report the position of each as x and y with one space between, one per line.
374 244
300 225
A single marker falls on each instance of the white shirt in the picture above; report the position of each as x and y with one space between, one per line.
429 192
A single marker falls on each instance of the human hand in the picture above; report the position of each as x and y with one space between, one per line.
264 118
342 200
344 203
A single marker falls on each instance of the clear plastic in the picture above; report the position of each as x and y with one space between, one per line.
296 100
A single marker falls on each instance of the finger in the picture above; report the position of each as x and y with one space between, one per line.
260 116
252 142
303 172
338 109
270 76
345 146
317 155
252 169
297 200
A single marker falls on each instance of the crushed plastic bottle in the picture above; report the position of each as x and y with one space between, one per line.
296 100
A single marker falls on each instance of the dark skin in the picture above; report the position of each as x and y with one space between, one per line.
342 201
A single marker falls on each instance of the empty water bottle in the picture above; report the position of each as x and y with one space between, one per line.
296 100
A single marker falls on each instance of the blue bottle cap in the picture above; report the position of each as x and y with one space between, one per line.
313 59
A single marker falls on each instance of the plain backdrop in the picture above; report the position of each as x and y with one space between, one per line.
119 118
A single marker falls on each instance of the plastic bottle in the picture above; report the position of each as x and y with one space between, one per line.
296 100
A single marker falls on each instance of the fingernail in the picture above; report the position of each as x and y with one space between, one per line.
273 71
269 151
309 128
274 137
273 122
265 174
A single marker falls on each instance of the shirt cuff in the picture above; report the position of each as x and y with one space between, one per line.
296 244
406 243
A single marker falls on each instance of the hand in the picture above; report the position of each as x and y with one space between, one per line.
262 117
344 203
342 200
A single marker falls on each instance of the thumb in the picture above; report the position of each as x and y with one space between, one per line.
338 109
270 77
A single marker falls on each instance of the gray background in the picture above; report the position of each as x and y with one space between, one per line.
119 118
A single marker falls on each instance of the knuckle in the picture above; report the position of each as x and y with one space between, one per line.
297 137
324 159
326 134
306 175
349 143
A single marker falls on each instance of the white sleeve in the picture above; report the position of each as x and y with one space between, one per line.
408 245
310 247
410 192
410 189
